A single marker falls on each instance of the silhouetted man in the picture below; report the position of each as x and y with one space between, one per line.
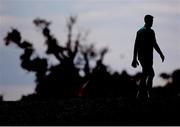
143 49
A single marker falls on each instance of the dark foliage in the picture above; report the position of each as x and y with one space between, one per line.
1 98
63 80
172 88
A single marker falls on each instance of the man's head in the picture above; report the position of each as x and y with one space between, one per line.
148 19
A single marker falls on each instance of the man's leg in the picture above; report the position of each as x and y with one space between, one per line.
143 83
150 81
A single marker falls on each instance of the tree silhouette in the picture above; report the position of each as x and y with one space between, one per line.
64 80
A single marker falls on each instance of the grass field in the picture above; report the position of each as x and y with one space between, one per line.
99 111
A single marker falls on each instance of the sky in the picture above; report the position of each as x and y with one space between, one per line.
110 23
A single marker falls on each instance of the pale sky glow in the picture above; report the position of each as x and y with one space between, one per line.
112 23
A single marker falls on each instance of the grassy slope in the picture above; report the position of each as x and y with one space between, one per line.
100 111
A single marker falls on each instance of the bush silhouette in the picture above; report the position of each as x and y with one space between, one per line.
172 87
63 80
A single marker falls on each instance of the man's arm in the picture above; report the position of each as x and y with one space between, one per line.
135 62
156 47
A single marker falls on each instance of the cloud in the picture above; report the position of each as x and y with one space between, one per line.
98 10
15 92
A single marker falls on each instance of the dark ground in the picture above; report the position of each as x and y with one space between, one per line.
99 111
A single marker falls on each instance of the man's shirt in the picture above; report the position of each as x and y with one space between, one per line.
145 40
